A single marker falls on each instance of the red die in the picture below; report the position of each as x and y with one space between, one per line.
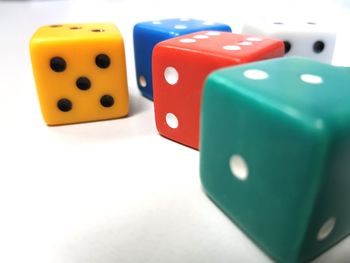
180 66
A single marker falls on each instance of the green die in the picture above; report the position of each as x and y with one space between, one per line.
275 153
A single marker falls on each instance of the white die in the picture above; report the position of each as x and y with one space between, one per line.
308 39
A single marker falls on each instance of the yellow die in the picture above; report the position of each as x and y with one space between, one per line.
80 72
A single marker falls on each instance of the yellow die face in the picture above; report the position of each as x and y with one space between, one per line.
80 73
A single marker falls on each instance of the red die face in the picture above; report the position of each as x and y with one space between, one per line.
180 66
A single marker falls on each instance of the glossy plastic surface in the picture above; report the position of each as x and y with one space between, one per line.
290 123
81 47
148 34
309 39
194 56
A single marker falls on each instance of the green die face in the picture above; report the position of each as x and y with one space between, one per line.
275 153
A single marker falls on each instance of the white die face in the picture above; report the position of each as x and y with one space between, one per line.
307 39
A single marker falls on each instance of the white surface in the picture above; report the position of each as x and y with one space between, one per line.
112 191
302 36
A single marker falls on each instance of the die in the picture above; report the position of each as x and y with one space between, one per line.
275 153
80 72
309 39
180 67
148 34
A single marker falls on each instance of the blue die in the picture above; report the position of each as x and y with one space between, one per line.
148 34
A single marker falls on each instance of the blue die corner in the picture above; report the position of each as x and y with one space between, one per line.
148 34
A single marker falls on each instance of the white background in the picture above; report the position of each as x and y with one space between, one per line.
116 191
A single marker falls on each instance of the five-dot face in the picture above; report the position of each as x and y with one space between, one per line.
83 80
83 83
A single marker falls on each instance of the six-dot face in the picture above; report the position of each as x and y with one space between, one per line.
79 81
148 34
76 82
243 48
180 66
308 39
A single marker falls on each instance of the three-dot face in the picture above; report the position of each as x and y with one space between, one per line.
181 26
308 39
148 34
180 67
80 72
275 153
